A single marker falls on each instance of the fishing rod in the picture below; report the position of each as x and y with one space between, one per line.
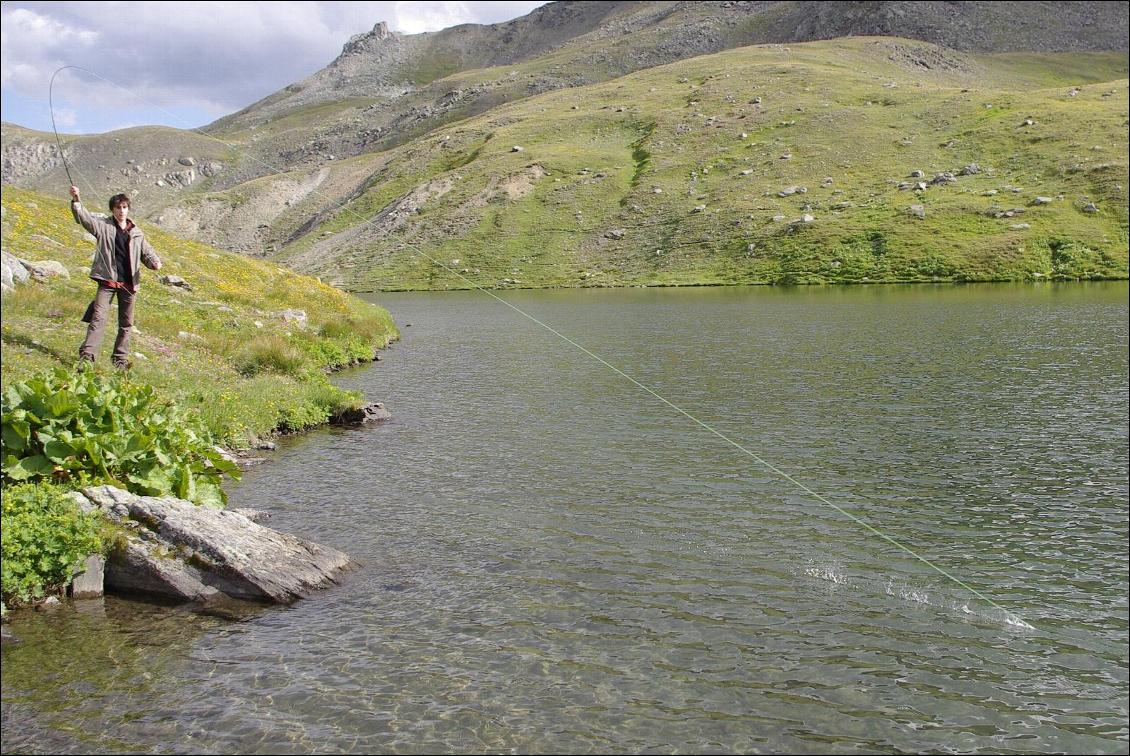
51 105
58 141
1010 617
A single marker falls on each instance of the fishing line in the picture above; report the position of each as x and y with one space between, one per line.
1010 617
58 142
51 105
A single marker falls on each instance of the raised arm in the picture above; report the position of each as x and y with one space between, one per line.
82 216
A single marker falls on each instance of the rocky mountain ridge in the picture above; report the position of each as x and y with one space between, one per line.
385 63
275 178
386 88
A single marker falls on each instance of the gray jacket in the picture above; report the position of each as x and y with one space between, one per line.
105 231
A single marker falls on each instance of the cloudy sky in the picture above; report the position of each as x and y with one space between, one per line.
185 64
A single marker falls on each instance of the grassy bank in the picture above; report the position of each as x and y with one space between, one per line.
222 349
219 363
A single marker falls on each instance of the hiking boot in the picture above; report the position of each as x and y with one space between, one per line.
123 364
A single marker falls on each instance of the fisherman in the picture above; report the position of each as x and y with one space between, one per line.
121 249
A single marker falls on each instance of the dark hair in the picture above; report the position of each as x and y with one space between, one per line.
119 199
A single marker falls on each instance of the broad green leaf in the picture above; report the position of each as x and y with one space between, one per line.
15 435
210 494
57 451
186 484
29 467
152 482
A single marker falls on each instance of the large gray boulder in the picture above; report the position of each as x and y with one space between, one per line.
41 270
298 317
195 553
15 268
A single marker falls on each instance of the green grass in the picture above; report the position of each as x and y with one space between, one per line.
45 538
236 371
221 349
300 118
844 109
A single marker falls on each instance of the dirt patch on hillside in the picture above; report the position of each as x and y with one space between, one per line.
920 57
393 217
518 185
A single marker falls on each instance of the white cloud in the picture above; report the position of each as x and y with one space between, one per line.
25 28
210 57
65 118
27 42
415 17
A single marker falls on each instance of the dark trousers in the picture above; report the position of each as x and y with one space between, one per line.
99 312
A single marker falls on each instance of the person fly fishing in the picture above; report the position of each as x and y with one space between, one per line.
120 252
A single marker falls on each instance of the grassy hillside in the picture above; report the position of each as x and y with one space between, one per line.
673 176
606 188
222 347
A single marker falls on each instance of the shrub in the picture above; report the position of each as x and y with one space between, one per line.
86 428
1070 259
329 354
371 327
45 537
315 405
269 354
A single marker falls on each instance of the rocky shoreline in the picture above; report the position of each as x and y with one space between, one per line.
174 549
171 549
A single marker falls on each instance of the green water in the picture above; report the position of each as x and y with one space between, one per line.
557 561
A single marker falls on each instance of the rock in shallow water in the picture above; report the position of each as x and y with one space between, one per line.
199 553
370 413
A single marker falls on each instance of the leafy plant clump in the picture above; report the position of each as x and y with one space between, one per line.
82 428
45 537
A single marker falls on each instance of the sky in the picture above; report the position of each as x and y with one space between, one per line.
185 64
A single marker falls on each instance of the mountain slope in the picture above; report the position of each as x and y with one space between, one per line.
379 133
596 41
386 89
675 175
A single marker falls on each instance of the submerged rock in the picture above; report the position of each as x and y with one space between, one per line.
90 582
370 413
196 553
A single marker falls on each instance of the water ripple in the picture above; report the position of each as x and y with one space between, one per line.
553 562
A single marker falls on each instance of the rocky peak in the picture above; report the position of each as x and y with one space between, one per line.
362 42
380 30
